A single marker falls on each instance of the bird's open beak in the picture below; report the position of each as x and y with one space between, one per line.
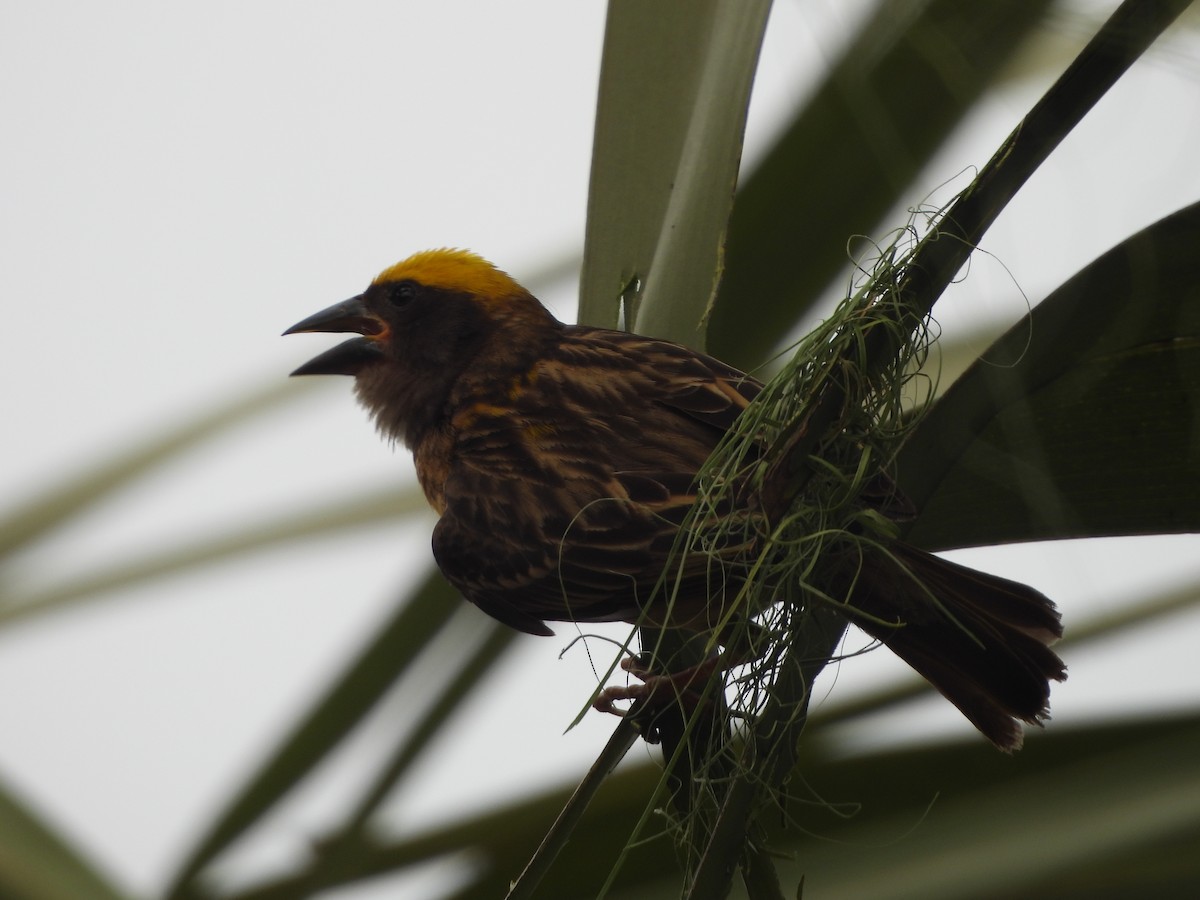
348 357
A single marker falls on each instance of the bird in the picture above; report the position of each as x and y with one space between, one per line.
562 462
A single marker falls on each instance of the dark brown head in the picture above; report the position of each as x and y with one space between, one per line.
421 322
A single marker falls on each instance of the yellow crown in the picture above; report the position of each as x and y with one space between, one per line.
454 270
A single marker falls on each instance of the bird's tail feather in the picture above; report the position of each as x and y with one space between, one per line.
982 640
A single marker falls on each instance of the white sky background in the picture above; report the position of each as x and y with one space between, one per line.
178 183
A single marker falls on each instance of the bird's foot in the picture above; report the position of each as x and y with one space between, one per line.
683 686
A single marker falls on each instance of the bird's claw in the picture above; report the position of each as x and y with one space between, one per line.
636 666
607 699
683 686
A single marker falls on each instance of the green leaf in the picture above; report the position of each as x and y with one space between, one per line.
897 92
506 837
349 698
1082 809
1081 421
340 852
1083 806
370 507
37 864
62 502
674 90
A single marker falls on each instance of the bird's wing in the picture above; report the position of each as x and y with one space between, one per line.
569 486
686 381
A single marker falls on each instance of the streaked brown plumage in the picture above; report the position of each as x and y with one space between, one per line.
561 460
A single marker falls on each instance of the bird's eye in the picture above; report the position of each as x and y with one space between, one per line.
403 293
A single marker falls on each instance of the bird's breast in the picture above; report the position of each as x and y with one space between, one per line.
433 457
